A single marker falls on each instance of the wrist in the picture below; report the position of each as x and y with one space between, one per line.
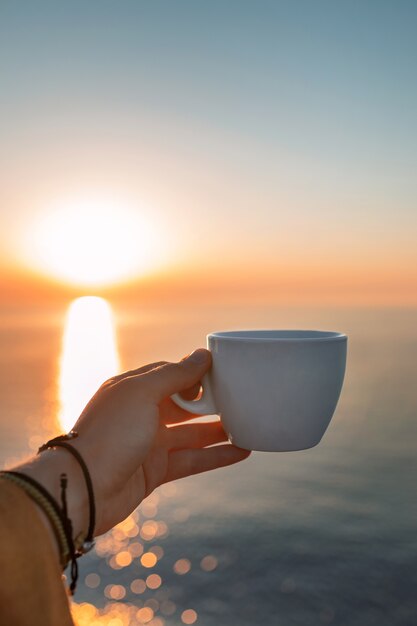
46 468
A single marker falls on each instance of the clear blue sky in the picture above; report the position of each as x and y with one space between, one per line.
291 124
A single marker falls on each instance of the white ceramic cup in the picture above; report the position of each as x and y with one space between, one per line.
274 390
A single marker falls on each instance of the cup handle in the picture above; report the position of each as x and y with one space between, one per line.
204 406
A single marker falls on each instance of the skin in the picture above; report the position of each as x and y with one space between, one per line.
134 438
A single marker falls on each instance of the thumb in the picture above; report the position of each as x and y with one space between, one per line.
174 377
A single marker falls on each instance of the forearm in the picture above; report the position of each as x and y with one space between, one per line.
31 590
46 468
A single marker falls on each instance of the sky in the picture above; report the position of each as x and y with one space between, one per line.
271 145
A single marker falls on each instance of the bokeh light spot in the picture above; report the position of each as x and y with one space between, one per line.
136 548
182 566
145 614
153 604
148 559
208 563
153 581
158 551
115 592
92 580
123 558
138 586
189 616
149 530
162 529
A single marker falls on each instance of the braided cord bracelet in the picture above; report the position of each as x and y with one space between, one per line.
40 495
48 507
84 544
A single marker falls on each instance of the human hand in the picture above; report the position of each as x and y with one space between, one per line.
133 438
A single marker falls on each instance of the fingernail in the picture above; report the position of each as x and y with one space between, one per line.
198 356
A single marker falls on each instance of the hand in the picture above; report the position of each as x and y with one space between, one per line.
130 446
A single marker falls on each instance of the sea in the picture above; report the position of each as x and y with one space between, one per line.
321 536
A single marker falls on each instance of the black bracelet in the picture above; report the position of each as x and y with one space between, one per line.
61 441
61 513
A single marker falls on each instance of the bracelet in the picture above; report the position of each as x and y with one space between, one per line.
60 522
84 544
50 508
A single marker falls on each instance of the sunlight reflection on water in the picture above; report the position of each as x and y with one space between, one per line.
89 355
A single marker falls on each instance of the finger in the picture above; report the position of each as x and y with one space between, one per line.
140 370
194 435
173 377
192 392
183 463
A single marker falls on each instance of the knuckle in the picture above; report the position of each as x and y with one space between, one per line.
133 389
127 385
108 383
165 369
159 364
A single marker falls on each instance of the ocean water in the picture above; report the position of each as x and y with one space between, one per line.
322 536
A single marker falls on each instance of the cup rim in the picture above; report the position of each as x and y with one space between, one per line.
286 335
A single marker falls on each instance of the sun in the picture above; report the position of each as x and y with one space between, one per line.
93 244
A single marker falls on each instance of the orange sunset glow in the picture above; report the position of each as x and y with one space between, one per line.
92 244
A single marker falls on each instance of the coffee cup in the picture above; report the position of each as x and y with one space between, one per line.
274 390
